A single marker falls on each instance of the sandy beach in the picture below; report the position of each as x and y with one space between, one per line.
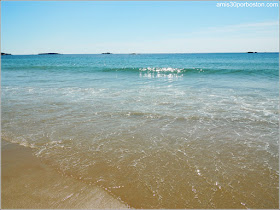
139 105
27 183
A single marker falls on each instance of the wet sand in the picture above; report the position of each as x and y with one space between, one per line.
28 183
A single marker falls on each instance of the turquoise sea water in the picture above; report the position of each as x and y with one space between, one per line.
154 130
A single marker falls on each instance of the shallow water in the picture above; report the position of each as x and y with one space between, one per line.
155 130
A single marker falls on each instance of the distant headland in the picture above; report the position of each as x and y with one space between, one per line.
5 53
107 53
251 52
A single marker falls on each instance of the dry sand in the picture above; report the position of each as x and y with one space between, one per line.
30 184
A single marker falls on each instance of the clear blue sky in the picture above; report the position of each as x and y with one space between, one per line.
142 27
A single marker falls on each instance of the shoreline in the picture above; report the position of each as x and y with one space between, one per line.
27 183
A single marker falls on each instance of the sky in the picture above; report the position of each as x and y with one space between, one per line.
89 27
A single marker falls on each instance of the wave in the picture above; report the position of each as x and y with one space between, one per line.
182 71
46 67
148 70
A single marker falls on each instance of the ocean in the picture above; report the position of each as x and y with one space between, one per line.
152 130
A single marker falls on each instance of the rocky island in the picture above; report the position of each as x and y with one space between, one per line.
49 54
5 53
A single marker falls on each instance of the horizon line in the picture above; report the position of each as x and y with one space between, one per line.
135 53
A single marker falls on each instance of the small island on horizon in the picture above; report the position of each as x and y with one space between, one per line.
49 54
5 53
